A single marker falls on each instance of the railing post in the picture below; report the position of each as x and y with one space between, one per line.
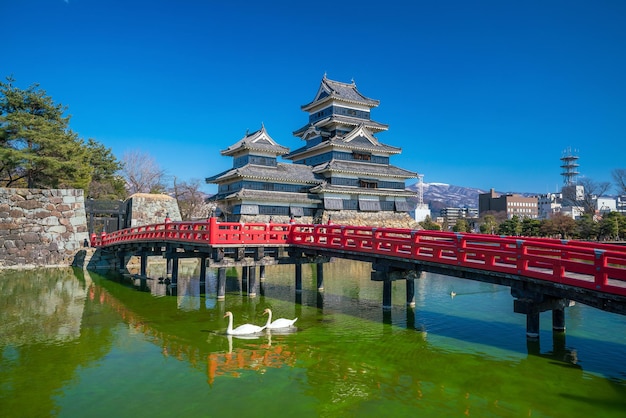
521 252
461 245
213 231
600 264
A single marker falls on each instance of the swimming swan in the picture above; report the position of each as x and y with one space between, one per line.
241 329
279 323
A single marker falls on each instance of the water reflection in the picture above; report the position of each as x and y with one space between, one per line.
257 359
42 306
64 330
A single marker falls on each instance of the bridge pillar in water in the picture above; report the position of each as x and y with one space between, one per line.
387 274
410 292
202 275
143 264
262 273
175 271
244 279
558 320
298 277
387 294
320 276
252 282
221 283
533 303
168 267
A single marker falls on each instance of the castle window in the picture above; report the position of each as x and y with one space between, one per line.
361 156
368 184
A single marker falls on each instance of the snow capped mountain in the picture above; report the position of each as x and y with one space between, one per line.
439 195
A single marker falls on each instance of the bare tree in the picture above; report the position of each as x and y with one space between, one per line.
619 176
191 200
142 173
593 190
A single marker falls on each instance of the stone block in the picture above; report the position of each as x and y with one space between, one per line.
29 204
30 238
58 229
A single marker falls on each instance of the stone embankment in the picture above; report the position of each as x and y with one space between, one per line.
345 217
41 227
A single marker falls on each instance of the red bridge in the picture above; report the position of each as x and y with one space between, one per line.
544 274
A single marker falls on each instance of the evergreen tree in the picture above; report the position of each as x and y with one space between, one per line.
489 224
429 225
37 148
588 228
461 225
530 227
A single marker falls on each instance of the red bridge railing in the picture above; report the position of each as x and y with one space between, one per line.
596 266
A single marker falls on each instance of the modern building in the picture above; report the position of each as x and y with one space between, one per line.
342 170
451 215
512 204
548 204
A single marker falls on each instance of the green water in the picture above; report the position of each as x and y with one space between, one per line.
76 344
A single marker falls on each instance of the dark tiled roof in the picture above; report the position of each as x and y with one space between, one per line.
364 168
256 141
344 120
286 173
330 89
357 144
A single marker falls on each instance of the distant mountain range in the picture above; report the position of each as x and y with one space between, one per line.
440 195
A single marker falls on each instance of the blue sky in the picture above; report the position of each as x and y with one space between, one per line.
484 94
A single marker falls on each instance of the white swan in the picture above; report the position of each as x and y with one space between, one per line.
279 323
241 329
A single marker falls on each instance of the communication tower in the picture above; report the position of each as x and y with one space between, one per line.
570 167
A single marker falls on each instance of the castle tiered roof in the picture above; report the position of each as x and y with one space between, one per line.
330 90
259 141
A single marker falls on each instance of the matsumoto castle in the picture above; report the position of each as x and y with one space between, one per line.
342 173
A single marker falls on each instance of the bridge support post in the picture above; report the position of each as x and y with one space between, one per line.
533 303
244 278
558 320
221 283
298 277
168 268
122 261
252 282
175 271
532 325
143 264
262 273
320 276
202 275
387 294
410 293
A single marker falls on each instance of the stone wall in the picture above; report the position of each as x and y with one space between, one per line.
41 227
146 209
346 217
